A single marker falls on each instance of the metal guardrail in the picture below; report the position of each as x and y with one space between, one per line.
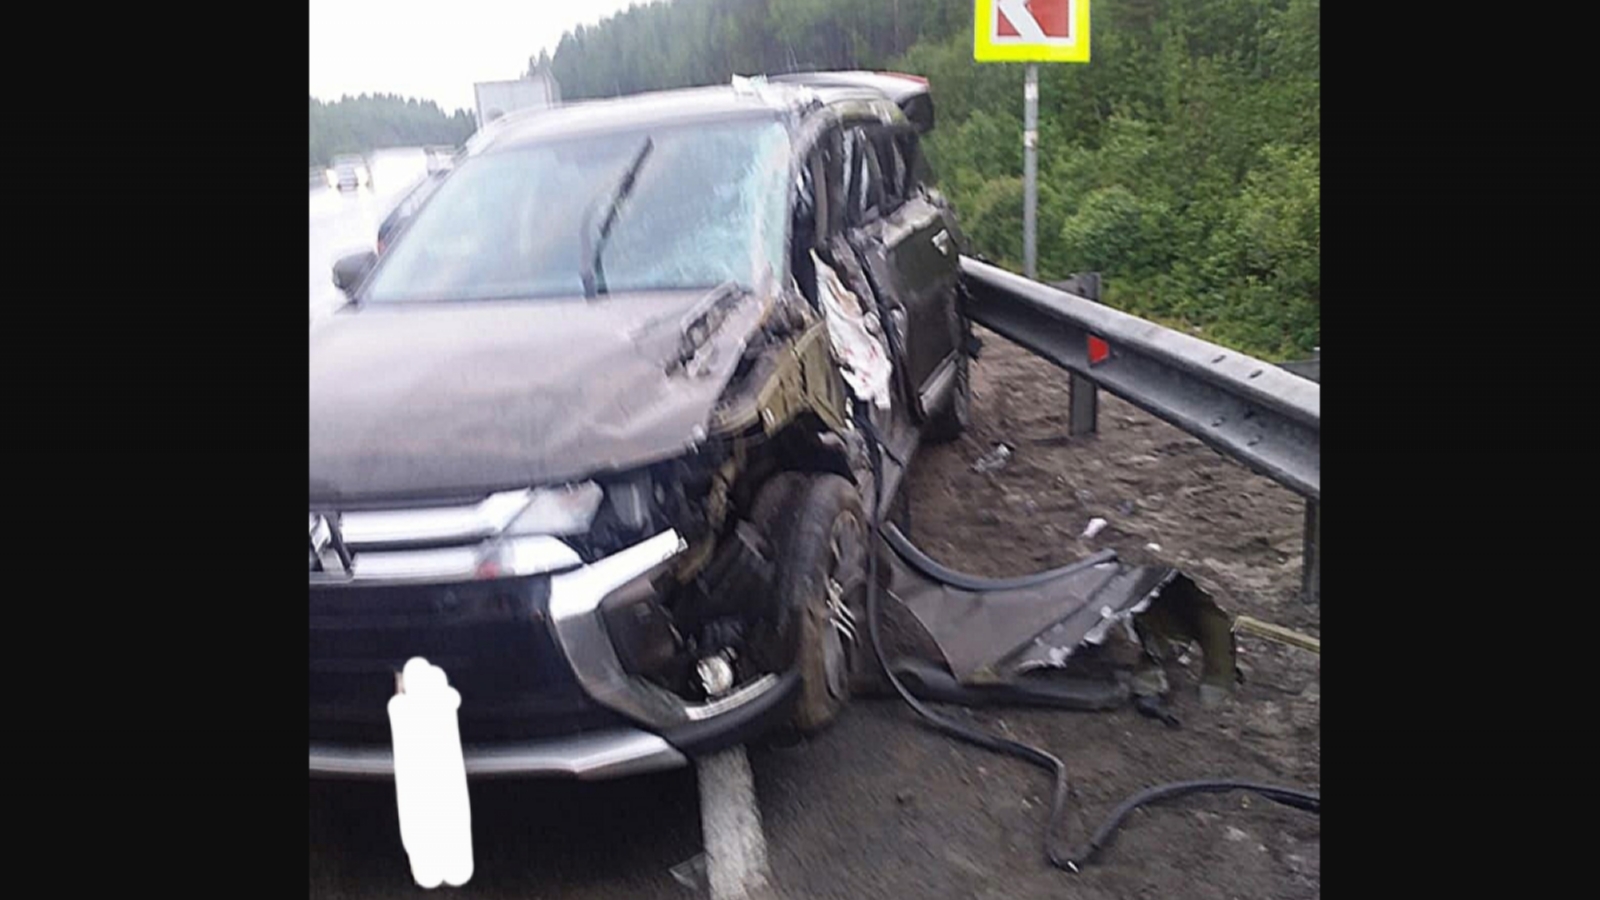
1267 418
1256 412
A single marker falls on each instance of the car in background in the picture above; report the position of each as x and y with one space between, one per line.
350 172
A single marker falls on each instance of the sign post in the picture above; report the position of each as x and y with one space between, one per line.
1030 31
1030 171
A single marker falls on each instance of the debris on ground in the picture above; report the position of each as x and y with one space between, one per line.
993 461
1151 681
1150 688
1277 633
1095 526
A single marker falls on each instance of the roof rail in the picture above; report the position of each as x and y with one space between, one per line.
909 92
895 85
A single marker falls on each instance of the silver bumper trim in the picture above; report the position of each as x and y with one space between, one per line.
589 757
575 600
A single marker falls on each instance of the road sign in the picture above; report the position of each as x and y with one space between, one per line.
1031 31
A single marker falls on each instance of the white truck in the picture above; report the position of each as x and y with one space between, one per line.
496 98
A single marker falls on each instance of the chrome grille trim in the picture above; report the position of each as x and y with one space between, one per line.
445 543
439 525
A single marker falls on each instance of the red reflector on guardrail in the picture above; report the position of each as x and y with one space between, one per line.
1099 350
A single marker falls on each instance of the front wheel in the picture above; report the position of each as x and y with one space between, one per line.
819 537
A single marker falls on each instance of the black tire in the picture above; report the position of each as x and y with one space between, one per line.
818 535
951 421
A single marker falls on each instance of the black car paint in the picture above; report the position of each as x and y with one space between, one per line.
411 401
905 265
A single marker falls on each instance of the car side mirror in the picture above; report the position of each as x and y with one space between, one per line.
349 272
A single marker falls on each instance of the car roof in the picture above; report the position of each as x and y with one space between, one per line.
752 99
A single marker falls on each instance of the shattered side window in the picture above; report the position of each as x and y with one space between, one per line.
837 171
803 227
805 195
708 206
893 165
861 199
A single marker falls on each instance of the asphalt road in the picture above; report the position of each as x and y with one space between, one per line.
878 806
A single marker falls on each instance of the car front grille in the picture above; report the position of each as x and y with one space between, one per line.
392 585
491 637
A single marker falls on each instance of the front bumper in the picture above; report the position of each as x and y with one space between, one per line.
598 755
544 692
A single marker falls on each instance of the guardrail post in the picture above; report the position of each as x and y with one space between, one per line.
1083 404
1311 563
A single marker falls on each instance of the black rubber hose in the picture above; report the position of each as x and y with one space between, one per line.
1302 800
957 730
925 564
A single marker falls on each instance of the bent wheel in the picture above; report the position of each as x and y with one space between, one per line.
819 539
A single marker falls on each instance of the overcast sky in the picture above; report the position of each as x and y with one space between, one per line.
435 49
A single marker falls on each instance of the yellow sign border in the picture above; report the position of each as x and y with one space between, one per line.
984 50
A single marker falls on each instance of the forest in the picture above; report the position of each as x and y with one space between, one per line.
1182 162
375 122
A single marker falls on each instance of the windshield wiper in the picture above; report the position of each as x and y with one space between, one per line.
594 277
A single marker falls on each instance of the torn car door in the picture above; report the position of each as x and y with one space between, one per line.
909 250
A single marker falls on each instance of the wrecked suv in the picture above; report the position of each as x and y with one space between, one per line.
593 435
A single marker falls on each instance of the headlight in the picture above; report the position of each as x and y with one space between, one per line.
560 510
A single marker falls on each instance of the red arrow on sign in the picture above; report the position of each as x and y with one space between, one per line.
1034 19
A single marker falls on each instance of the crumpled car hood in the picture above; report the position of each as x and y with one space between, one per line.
416 401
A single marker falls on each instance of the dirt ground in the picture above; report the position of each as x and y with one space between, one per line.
879 807
1170 500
